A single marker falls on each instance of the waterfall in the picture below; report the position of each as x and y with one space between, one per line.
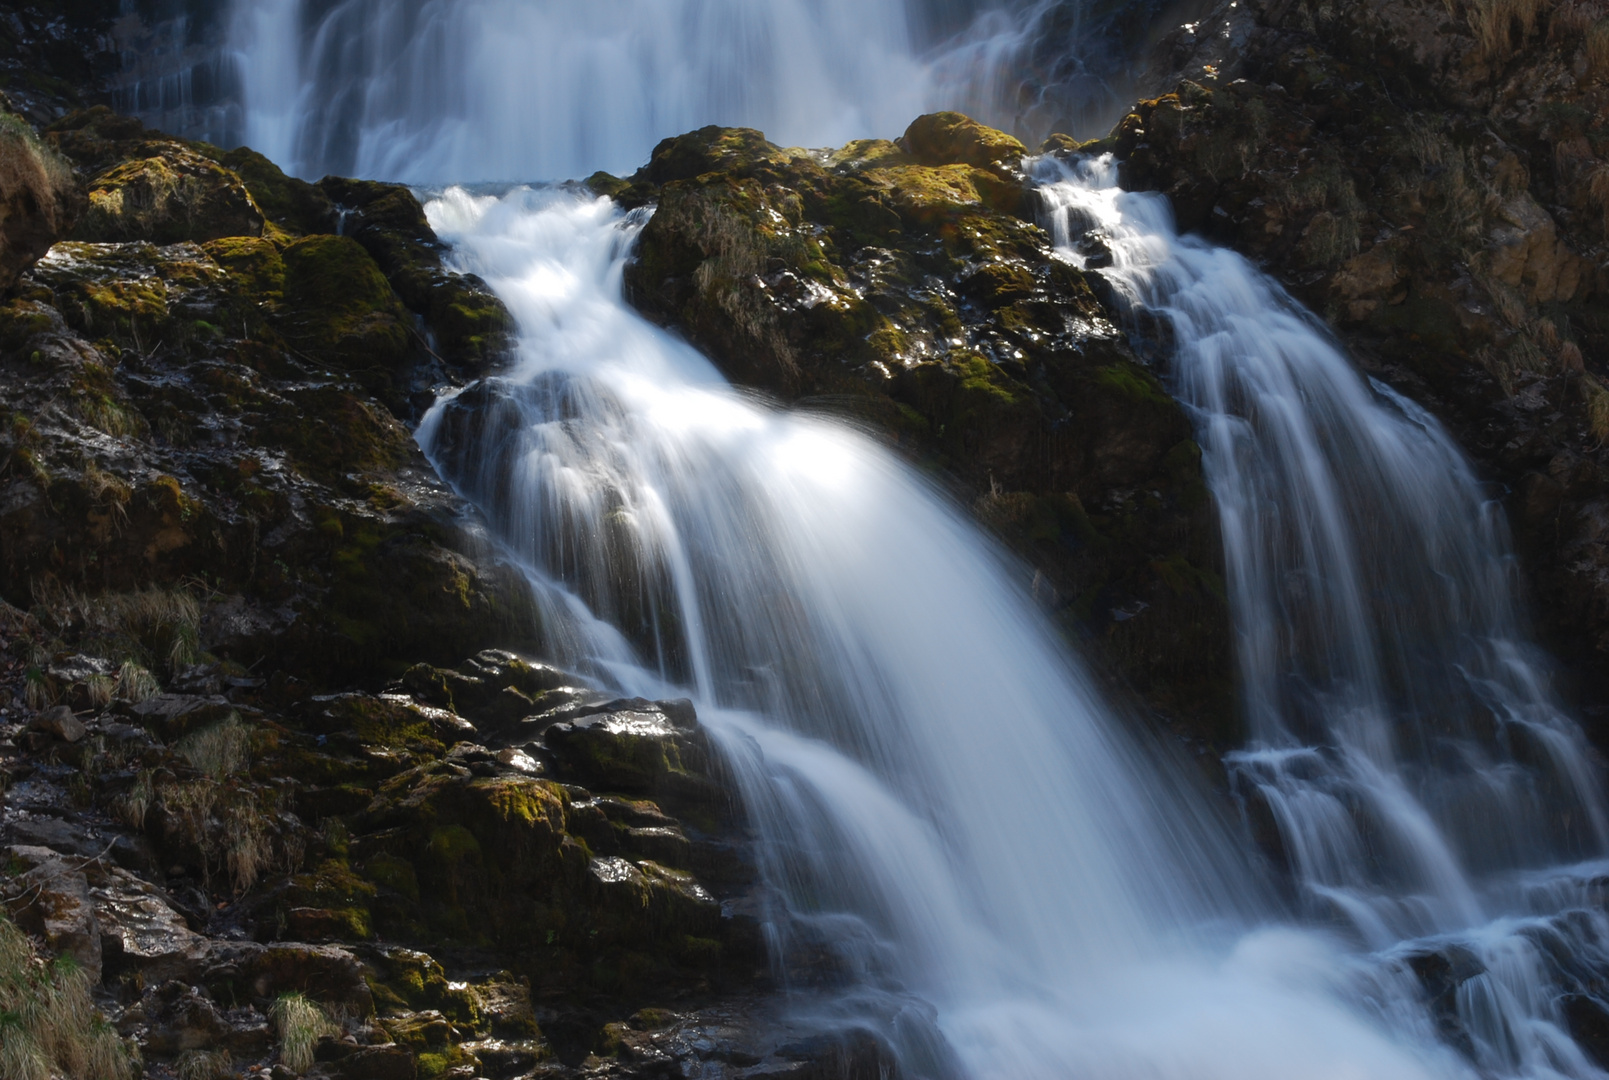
437 91
1427 792
456 90
1011 886
1009 883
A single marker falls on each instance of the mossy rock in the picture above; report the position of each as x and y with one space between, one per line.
951 138
330 432
734 151
341 310
471 327
294 206
174 195
638 751
254 264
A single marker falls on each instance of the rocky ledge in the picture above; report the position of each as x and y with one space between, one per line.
259 813
1432 177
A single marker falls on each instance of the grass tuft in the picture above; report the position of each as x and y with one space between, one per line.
49 1027
300 1024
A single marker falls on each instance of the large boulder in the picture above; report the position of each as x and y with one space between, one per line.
907 286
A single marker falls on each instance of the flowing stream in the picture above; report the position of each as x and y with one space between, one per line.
1427 793
1007 882
1011 886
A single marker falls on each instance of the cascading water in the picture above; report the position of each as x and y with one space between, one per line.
937 793
1421 779
454 90
1013 888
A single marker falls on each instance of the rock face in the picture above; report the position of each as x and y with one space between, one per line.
1430 178
906 284
239 784
201 386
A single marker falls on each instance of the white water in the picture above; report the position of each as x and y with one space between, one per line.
438 91
457 90
940 797
1405 745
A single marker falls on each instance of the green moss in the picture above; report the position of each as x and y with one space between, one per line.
983 380
453 845
339 307
253 263
292 204
381 722
394 873
1134 383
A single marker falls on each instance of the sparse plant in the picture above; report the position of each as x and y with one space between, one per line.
248 844
220 750
48 1023
134 805
99 689
134 683
204 1065
300 1023
1596 46
36 689
109 491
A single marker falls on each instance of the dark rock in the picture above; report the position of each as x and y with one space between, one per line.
908 289
1587 1019
60 722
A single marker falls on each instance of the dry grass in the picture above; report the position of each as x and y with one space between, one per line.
162 625
204 1065
1500 26
233 828
300 1024
48 1024
133 806
218 751
134 683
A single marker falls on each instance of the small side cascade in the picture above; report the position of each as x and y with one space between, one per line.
1408 766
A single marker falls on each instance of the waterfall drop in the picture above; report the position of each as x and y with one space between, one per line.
1427 792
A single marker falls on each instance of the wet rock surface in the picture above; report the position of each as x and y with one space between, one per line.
1423 176
905 284
242 790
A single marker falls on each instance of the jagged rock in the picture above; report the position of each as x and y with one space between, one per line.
60 722
638 751
51 898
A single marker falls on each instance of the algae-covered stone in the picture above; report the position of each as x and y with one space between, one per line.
471 327
951 138
340 309
176 194
293 205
